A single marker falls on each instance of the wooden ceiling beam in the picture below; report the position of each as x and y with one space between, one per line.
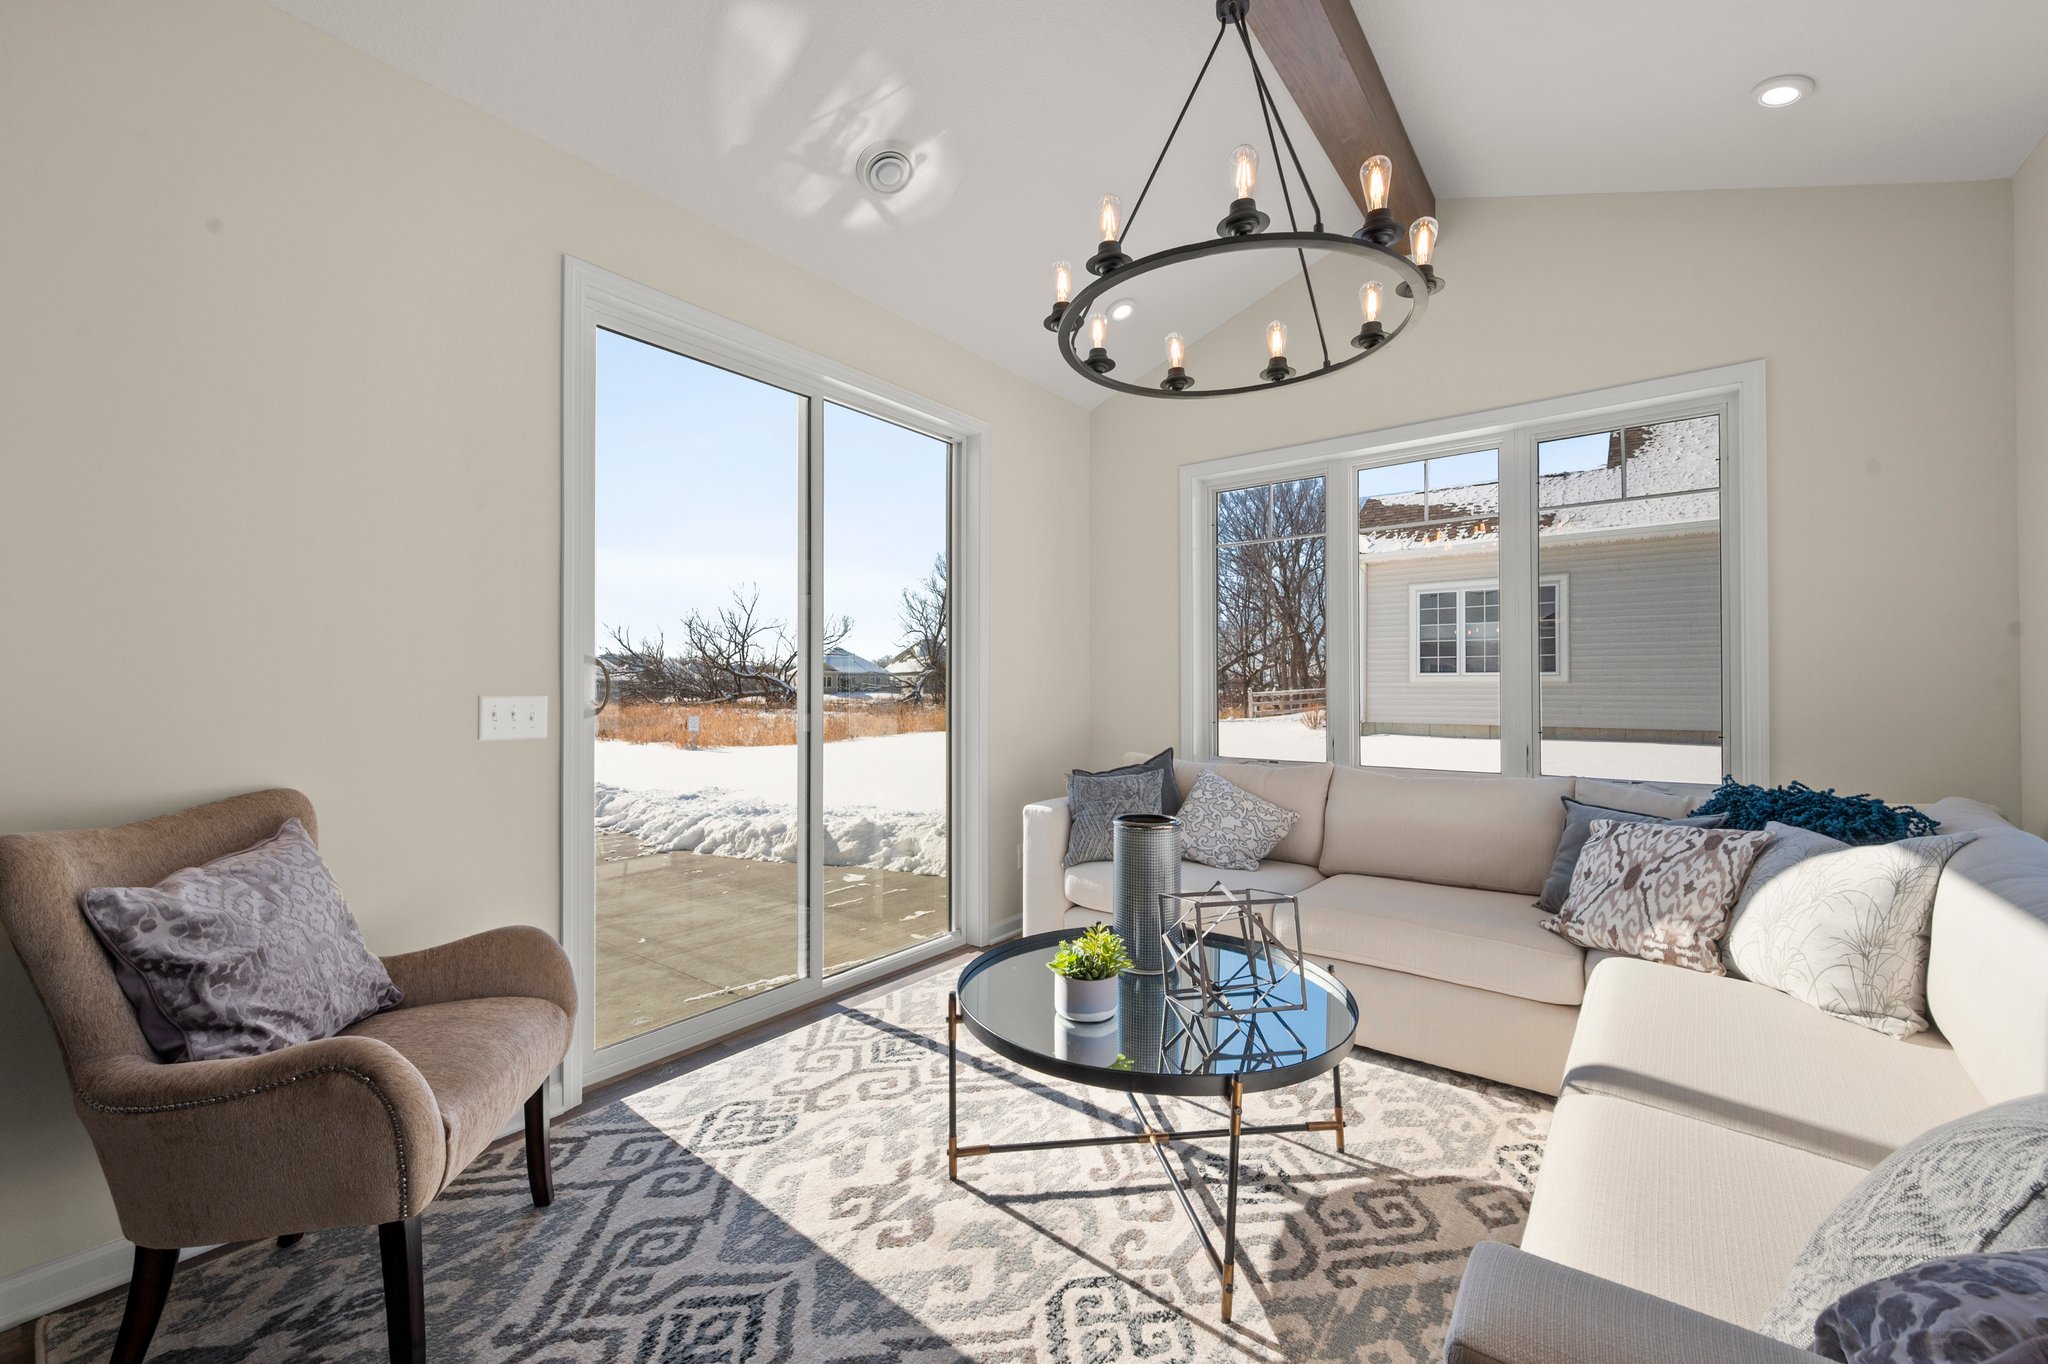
1319 52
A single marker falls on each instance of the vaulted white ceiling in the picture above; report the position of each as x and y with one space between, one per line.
1020 115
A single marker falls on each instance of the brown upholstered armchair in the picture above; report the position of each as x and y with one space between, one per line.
366 1127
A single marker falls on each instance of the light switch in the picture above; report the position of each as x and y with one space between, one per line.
511 717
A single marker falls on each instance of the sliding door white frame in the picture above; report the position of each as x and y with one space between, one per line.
593 299
1735 393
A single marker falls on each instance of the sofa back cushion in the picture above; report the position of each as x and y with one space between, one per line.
1987 968
1490 833
1301 787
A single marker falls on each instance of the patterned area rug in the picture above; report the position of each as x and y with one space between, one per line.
791 1203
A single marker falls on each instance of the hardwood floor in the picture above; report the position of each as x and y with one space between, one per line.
17 1344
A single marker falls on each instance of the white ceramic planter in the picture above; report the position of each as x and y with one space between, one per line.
1084 1001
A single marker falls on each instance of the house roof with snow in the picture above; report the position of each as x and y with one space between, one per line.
847 661
1665 484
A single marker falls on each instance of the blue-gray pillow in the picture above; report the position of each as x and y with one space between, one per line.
1960 1307
1973 1186
1160 762
251 953
1094 800
1578 827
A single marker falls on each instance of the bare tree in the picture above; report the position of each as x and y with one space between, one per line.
926 617
1270 621
735 653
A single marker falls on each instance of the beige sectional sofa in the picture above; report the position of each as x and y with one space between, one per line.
1705 1125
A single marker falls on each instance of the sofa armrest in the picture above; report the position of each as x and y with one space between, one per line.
519 960
1045 866
341 1131
1517 1308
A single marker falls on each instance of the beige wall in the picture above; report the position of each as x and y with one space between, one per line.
2030 336
280 374
1885 316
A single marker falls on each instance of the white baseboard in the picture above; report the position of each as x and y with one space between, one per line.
59 1283
1007 928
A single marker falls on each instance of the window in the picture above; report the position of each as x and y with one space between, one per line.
1270 621
1457 628
1569 587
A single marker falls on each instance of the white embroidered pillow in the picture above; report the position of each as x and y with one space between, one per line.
1845 928
1662 892
1227 826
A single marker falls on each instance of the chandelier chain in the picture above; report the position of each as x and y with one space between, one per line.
1171 134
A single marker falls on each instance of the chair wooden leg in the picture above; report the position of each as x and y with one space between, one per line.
148 1288
405 1298
540 1165
288 1241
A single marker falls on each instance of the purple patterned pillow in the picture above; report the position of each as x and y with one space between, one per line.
250 953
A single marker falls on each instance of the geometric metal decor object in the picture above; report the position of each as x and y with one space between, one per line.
1255 973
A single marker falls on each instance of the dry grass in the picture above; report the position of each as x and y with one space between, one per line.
738 724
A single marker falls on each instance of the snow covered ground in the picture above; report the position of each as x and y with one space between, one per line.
1285 736
885 800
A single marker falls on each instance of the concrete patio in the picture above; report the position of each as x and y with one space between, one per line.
680 934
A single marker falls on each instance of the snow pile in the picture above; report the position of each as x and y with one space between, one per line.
885 801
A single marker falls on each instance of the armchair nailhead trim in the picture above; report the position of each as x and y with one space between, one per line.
390 1111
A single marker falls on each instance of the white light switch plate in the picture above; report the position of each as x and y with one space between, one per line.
511 717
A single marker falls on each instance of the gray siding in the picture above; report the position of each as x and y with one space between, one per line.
1642 639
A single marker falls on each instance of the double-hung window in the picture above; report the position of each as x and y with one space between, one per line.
1572 587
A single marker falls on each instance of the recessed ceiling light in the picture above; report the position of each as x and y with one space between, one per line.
1779 91
1122 309
884 167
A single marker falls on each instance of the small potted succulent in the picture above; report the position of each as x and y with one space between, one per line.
1084 975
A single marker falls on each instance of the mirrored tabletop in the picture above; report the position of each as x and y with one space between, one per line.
1159 1042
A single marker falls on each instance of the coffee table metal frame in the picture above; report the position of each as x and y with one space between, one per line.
1229 1087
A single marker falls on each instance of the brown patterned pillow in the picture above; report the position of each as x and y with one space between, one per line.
1662 892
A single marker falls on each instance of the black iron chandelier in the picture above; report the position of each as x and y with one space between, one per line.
1244 228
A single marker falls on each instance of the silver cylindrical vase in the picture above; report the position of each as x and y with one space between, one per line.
1147 849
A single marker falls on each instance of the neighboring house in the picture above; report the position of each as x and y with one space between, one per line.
1629 609
846 671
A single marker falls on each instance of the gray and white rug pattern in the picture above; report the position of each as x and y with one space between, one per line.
790 1203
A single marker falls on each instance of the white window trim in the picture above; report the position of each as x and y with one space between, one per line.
1561 581
592 298
1735 392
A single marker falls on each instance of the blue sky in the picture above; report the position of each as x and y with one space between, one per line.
697 493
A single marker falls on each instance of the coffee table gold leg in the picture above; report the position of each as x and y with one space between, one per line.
1337 1082
1230 1206
953 1087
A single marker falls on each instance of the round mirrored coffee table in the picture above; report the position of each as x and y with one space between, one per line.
1155 1045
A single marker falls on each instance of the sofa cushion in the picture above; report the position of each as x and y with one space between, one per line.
1094 800
1578 828
481 1057
1706 1216
1490 833
1977 1184
1664 801
1987 966
1691 1043
1301 787
1093 884
1486 939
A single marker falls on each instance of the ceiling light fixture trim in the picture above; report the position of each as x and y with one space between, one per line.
1244 228
885 167
1782 92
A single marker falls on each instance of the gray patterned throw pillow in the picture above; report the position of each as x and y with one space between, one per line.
1973 1186
1961 1307
250 953
1843 928
1095 799
1222 825
1661 892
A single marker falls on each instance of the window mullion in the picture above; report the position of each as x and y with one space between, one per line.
1519 678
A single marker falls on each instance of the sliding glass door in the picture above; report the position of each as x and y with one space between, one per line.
771 663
